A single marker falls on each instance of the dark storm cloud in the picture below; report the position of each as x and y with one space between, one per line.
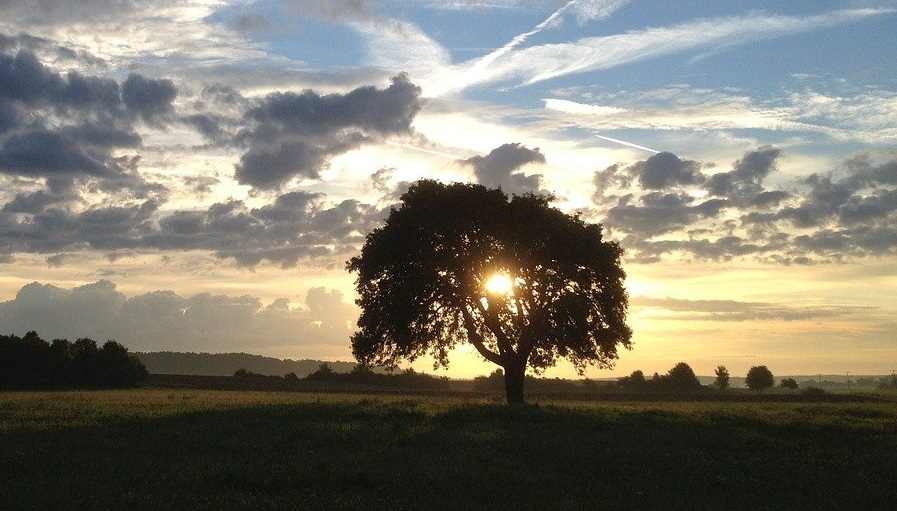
823 219
164 320
295 135
501 168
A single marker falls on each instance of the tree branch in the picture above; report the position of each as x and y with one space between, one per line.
477 339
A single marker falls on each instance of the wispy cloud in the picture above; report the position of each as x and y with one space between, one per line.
731 310
544 62
851 114
585 9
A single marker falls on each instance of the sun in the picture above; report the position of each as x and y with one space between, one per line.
499 284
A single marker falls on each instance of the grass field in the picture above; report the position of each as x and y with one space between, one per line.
196 449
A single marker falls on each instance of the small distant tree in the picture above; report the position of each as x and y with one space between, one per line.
681 377
759 378
722 377
636 380
291 377
888 383
788 383
243 373
323 373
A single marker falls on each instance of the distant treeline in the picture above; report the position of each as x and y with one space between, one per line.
226 364
30 362
362 376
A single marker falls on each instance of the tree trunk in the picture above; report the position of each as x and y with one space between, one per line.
515 374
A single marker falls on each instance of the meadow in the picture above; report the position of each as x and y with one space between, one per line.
204 449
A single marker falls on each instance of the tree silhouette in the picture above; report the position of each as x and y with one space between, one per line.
681 377
789 383
422 283
29 362
722 377
759 378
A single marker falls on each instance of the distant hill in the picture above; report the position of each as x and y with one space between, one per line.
226 364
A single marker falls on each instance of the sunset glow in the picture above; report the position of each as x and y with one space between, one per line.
499 284
193 175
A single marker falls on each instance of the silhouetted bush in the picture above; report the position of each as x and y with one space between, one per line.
29 362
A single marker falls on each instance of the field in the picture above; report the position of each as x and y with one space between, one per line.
202 449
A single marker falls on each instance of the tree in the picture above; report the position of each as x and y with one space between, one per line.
788 383
523 282
681 377
722 377
636 380
759 378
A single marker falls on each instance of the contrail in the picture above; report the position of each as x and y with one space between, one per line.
630 144
434 152
519 39
473 73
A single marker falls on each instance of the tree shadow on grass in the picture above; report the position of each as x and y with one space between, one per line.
374 454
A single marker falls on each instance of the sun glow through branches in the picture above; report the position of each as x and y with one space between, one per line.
499 284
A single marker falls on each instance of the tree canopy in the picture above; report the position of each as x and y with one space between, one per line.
422 283
759 378
30 362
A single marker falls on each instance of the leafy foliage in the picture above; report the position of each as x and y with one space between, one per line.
681 378
363 376
29 362
722 377
789 383
422 276
759 378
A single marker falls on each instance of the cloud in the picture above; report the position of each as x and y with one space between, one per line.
544 62
61 127
501 168
584 9
296 225
743 185
658 213
295 134
148 98
731 310
163 320
664 170
678 210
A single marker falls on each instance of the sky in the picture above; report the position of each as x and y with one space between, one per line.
193 175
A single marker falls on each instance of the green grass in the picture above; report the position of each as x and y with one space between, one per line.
173 449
